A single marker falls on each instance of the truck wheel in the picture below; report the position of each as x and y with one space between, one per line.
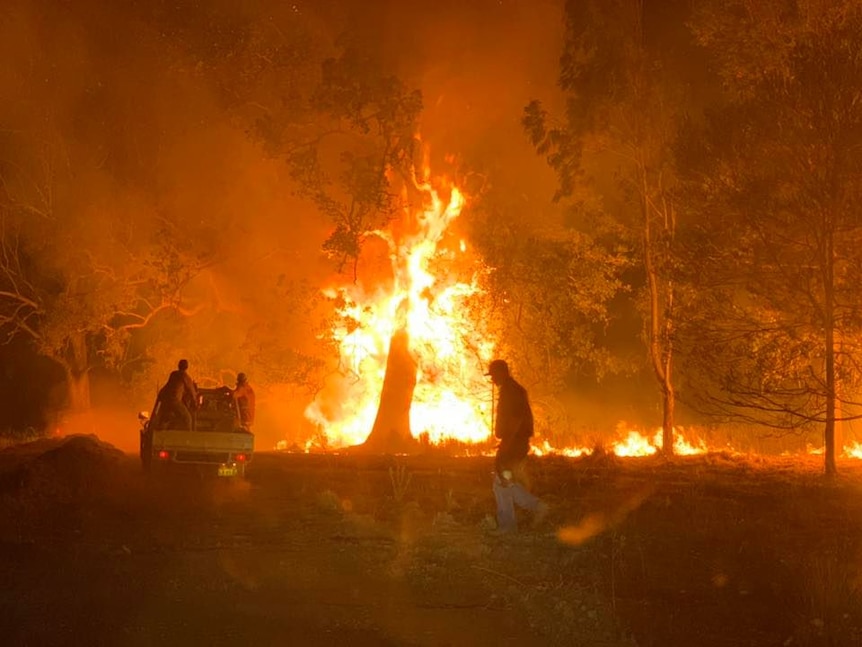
147 451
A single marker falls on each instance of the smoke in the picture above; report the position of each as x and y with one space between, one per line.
478 65
150 116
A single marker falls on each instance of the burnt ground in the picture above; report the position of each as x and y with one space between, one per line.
320 550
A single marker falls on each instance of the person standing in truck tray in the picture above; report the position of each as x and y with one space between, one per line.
244 396
178 397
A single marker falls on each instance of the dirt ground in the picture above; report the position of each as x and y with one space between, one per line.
329 549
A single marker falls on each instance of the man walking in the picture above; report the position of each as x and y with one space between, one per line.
513 426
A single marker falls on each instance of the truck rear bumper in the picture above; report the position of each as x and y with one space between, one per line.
226 453
188 457
206 458
223 464
202 448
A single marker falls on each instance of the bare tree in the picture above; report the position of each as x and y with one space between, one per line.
74 277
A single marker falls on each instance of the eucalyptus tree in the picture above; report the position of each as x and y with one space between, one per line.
622 80
775 170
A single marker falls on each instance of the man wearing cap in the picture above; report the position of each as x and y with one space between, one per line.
513 426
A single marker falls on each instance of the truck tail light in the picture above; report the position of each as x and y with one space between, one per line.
164 455
241 458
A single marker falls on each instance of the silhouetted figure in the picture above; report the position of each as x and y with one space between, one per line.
178 397
513 426
244 396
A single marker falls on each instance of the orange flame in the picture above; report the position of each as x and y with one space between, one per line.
636 444
633 444
853 450
545 448
452 398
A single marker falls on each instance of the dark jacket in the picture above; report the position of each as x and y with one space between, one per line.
513 424
180 388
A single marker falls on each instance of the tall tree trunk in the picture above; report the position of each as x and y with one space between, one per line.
829 431
76 367
668 410
829 330
78 391
839 388
391 432
660 334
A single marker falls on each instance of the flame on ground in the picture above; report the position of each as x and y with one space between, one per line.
633 444
853 450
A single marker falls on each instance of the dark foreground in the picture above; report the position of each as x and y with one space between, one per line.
325 550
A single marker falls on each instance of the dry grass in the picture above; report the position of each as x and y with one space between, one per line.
709 550
11 437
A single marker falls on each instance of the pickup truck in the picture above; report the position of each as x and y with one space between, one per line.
216 441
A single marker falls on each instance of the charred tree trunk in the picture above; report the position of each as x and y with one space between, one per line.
76 366
391 432
78 391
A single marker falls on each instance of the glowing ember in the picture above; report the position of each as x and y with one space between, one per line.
452 397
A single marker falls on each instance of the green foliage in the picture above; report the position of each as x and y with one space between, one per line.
371 118
774 174
612 151
274 345
562 150
552 287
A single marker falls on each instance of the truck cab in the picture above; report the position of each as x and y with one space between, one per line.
216 440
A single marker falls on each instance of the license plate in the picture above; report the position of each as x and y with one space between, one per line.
227 470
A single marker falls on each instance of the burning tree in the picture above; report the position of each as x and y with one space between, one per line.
412 348
402 349
362 144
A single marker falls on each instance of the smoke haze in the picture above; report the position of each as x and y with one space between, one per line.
145 115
